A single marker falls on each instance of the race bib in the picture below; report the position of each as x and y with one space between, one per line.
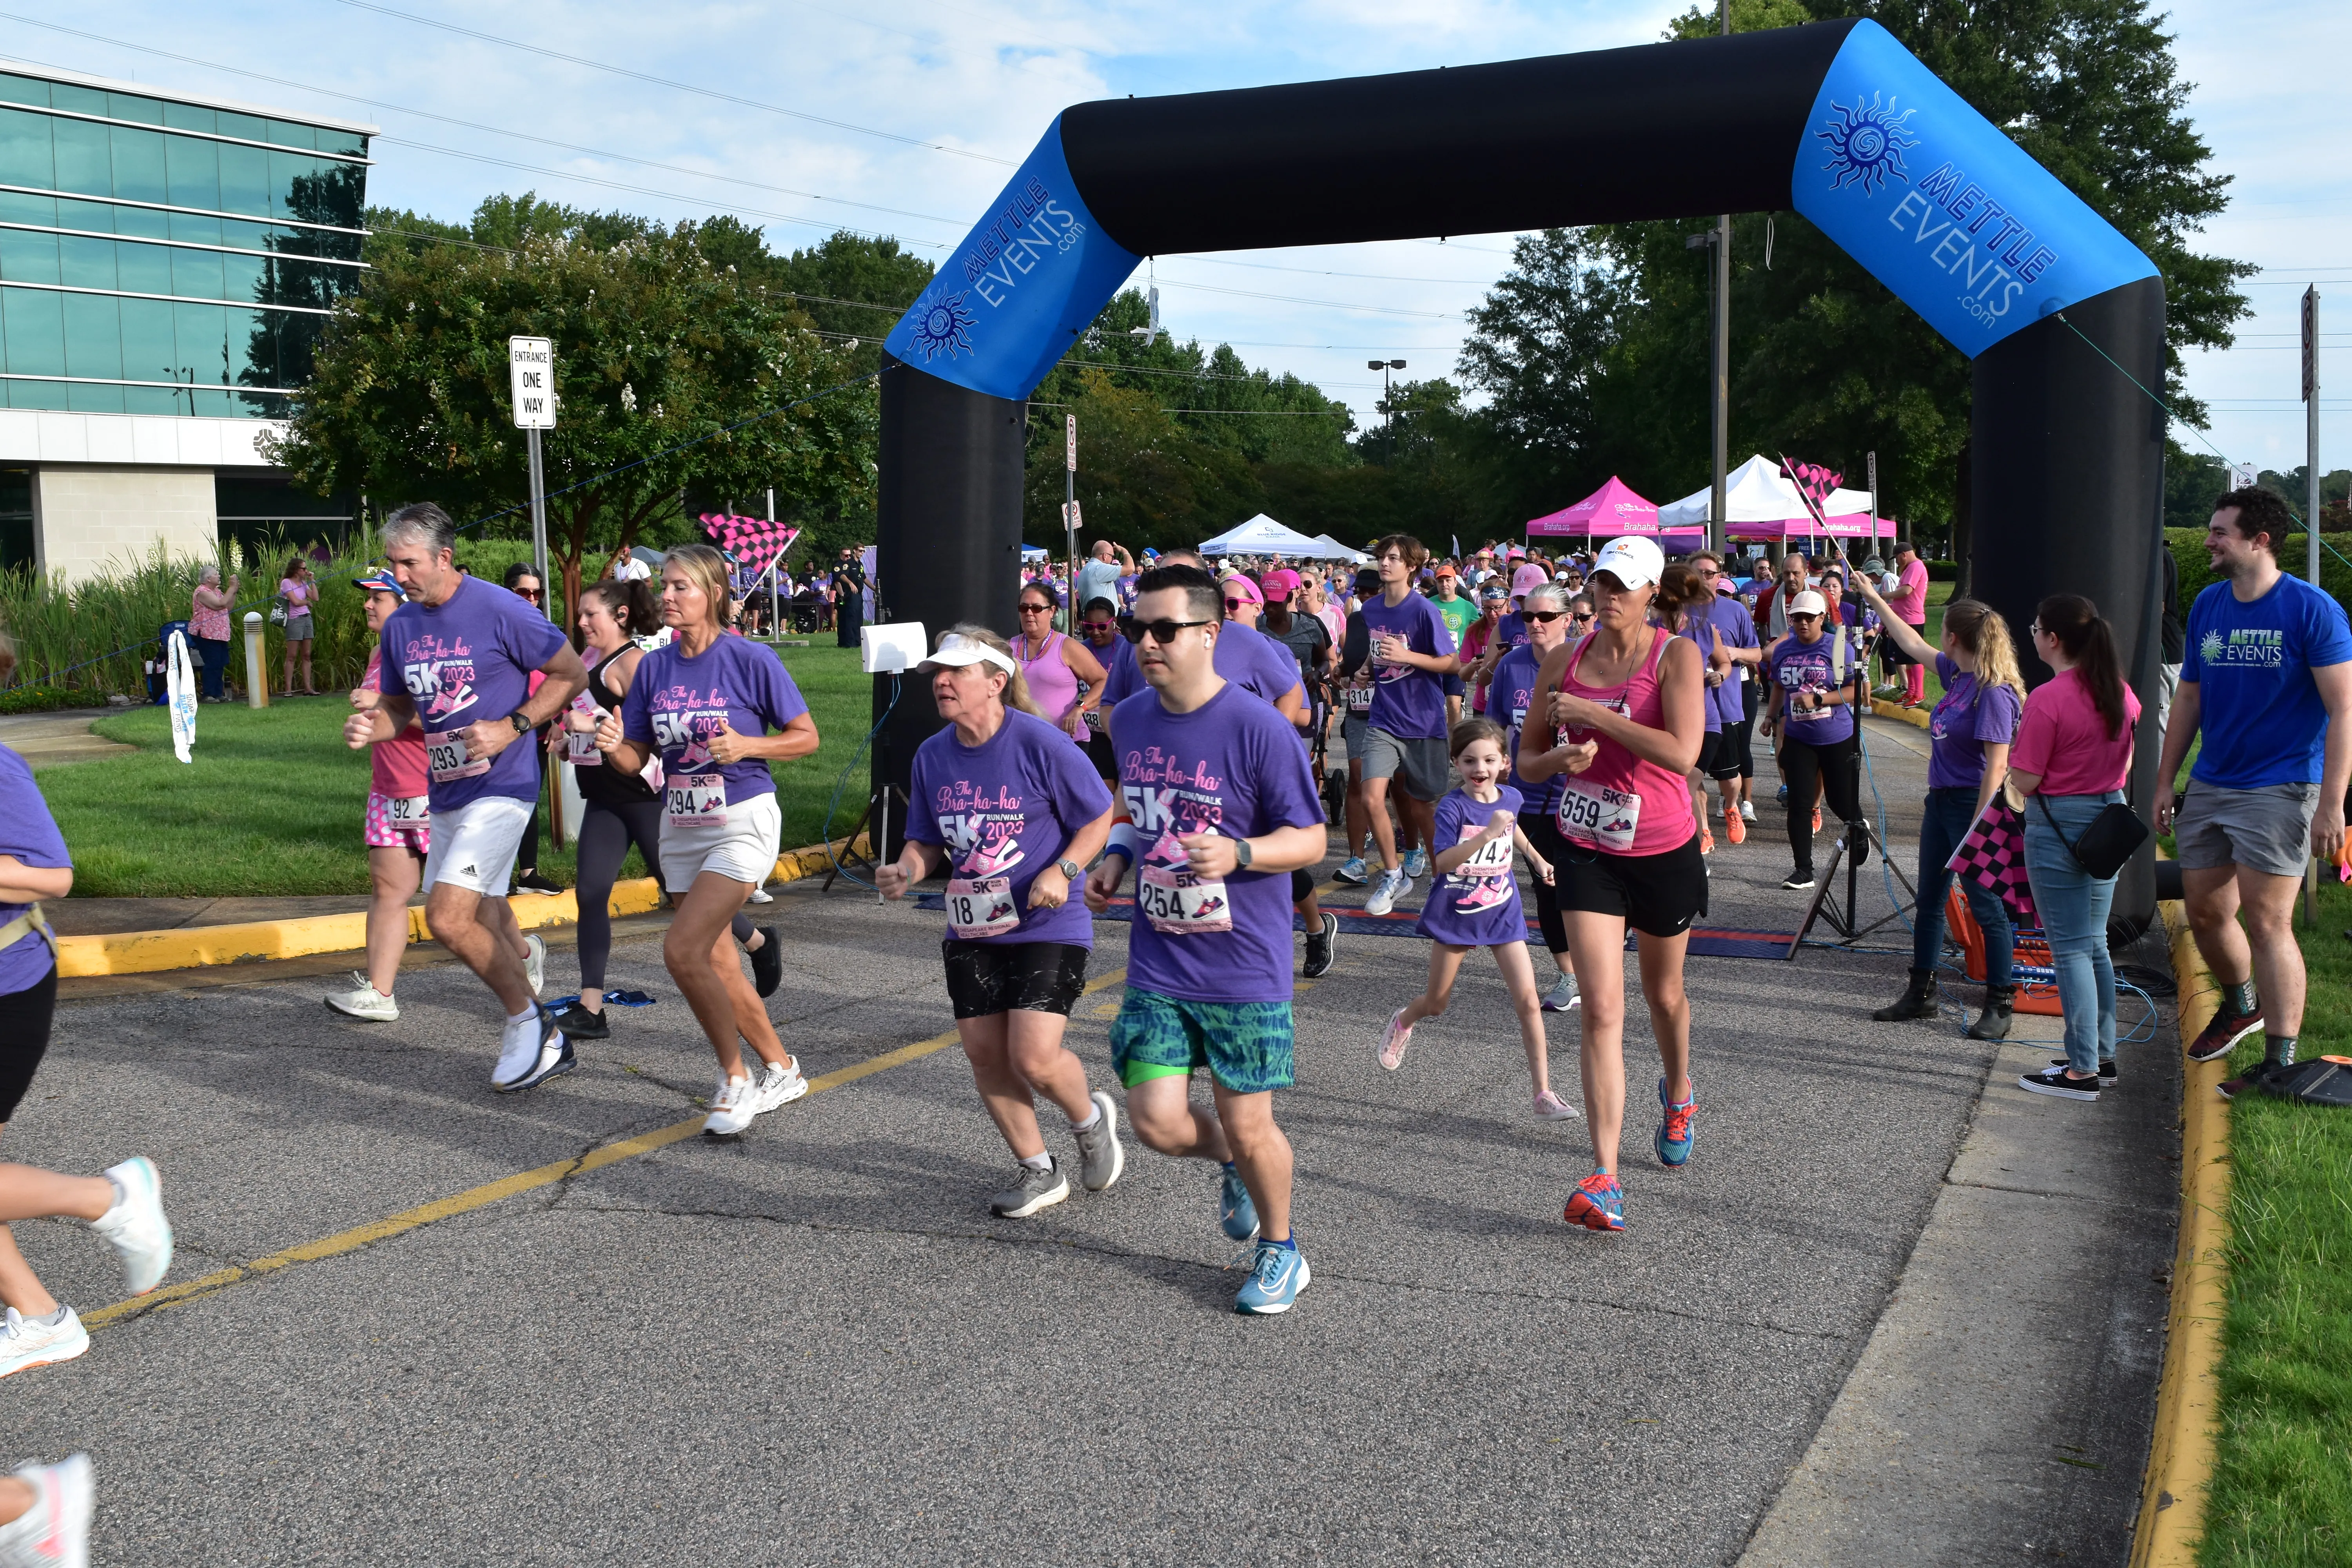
1597 815
1491 860
1359 699
1095 720
579 749
408 810
697 800
445 756
981 907
1178 903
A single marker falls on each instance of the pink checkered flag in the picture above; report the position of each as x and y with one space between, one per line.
1993 856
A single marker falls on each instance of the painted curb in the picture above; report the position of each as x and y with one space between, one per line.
1885 710
2188 1399
256 942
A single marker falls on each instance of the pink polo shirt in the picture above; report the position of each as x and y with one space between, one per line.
2063 739
1909 600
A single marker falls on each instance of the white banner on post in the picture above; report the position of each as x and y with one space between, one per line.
180 687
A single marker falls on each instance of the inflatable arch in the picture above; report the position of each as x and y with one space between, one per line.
1835 121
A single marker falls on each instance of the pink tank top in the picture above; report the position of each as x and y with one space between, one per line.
1052 682
1621 805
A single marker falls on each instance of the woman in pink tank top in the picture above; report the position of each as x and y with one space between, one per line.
1627 706
1056 666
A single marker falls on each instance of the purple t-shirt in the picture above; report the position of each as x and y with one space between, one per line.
1696 628
1476 904
468 659
1969 716
1797 668
1514 686
1006 811
1233 765
1408 703
29 832
1118 656
1738 629
1243 657
675 704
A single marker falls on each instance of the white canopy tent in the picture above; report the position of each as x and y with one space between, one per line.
1261 535
1752 492
1339 552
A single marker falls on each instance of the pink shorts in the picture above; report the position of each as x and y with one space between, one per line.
383 833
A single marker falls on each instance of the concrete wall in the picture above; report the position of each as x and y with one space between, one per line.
88 517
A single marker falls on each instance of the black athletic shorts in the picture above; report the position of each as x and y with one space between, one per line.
1301 884
985 978
1710 748
25 1038
1658 895
1891 656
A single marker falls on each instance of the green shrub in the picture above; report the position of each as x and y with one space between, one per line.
1943 570
45 699
2188 546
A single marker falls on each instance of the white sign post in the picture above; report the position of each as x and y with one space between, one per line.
530 371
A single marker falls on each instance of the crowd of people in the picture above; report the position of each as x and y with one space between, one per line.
1161 720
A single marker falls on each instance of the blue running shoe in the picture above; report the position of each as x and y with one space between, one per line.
1783 797
1235 1212
1278 1274
1598 1203
1675 1130
1416 865
1352 872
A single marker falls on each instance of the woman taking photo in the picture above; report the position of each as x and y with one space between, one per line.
705 704
208 609
1053 667
1809 677
2073 751
1969 737
1019 814
300 596
1623 715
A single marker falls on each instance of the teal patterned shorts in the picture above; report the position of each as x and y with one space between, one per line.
1245 1045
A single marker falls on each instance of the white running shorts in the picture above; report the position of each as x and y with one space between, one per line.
743 848
474 845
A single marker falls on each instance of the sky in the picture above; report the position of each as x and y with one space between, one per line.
905 117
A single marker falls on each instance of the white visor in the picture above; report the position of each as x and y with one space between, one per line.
956 651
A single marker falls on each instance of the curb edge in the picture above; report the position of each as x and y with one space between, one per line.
1886 709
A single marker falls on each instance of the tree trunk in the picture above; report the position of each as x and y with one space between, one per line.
1963 525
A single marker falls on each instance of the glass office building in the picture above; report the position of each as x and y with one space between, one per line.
163 256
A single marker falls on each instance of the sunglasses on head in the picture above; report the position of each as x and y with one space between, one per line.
1162 632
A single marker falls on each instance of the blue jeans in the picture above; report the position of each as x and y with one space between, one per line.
213 654
2074 919
1950 813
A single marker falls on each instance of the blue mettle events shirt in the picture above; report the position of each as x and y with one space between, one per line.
675 703
467 658
29 832
2262 719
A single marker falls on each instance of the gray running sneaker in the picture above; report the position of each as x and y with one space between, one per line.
1032 1190
1562 996
1100 1158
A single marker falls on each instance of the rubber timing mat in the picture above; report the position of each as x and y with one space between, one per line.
2323 1080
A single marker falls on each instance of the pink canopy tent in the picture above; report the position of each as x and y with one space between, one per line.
1844 525
1608 512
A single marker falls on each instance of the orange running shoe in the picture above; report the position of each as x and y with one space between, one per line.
1706 840
1817 819
1598 1203
1735 827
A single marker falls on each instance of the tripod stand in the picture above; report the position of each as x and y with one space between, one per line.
1860 836
878 847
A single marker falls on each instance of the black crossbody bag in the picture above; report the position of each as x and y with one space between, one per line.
2114 836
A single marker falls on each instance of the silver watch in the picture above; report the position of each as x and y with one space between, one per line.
1069 868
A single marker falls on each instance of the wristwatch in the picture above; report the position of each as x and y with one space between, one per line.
1241 853
1069 868
519 722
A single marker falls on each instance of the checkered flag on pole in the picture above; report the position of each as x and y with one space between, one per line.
1993 856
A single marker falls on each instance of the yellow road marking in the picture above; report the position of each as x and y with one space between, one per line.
489 1192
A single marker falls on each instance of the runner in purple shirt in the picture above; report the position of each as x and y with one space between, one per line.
1013 810
1736 699
1413 653
1221 807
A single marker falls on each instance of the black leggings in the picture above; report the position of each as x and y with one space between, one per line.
25 1018
1837 768
605 834
1544 834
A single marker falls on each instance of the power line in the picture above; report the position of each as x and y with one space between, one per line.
1331 304
678 86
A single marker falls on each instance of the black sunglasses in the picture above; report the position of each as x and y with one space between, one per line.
1036 609
1162 632
1546 616
1580 617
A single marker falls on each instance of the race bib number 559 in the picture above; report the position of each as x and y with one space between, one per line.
1598 815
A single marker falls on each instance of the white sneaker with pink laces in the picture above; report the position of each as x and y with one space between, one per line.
1393 1043
1550 1107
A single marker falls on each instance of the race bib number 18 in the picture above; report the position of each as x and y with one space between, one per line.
445 754
981 907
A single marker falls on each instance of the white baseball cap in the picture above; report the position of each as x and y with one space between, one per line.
1633 560
957 650
1806 603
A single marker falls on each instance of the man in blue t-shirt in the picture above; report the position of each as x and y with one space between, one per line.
2267 677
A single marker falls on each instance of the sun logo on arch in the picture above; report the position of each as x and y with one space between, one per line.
944 326
1866 143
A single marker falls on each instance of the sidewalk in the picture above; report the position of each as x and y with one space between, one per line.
43 738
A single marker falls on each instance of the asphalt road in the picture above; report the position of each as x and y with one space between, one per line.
814 1345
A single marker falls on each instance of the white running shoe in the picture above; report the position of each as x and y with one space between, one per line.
1562 996
732 1107
136 1226
1746 811
780 1085
364 1001
760 896
534 961
1550 1107
55 1532
26 1344
1398 1035
1392 886
533 1052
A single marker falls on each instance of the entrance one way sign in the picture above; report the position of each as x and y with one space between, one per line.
531 365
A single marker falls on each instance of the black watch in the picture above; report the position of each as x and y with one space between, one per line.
521 725
1241 853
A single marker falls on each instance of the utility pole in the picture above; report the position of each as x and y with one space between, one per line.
2311 515
1070 510
1721 371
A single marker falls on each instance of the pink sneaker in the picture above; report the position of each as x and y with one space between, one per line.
1550 1107
1393 1043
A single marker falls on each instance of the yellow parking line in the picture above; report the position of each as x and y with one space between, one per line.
489 1192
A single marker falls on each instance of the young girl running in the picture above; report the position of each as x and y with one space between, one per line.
1475 903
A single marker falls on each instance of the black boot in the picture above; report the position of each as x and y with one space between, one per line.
1917 1000
1992 1023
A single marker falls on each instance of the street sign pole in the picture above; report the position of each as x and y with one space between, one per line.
2311 515
530 371
1070 508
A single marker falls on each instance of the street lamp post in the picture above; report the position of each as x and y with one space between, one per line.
1388 434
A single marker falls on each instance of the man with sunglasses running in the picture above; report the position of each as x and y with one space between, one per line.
1221 808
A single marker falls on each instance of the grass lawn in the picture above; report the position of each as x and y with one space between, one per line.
272 805
2281 1496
